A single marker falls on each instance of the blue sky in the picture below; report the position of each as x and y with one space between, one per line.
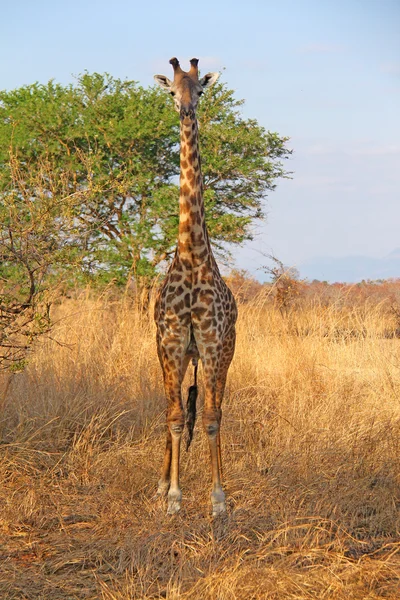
326 73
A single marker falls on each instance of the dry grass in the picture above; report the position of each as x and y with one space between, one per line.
311 451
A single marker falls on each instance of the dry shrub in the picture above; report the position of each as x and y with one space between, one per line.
311 451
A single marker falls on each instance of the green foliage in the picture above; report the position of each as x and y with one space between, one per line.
105 153
88 189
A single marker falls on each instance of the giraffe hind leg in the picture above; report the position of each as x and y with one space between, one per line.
174 368
212 416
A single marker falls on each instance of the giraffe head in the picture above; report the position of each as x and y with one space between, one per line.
186 88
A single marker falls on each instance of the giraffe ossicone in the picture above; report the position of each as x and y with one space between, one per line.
195 312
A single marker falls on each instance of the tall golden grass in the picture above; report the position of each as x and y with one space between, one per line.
311 452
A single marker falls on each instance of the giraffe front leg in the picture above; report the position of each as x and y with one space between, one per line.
174 369
211 421
168 483
174 493
176 420
164 481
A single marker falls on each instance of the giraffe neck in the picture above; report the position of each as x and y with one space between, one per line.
193 241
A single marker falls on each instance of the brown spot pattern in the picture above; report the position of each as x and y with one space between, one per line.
194 308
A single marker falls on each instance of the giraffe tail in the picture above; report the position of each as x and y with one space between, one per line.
191 409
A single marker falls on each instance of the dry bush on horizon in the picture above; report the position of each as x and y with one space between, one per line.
311 453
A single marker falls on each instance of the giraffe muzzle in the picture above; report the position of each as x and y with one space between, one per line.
187 111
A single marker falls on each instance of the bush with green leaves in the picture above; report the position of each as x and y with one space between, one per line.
89 182
114 145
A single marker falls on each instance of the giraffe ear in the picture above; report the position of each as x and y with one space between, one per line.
163 82
208 80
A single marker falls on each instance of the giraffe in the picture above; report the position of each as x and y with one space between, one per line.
195 311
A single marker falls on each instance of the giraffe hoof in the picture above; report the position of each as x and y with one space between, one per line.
162 490
218 502
218 509
174 502
173 507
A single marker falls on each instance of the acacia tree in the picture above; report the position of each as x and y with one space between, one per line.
114 145
88 188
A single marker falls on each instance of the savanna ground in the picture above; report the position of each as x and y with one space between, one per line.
311 452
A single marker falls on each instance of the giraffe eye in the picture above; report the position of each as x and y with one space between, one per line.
172 93
200 92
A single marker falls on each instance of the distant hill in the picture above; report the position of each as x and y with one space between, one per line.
351 269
